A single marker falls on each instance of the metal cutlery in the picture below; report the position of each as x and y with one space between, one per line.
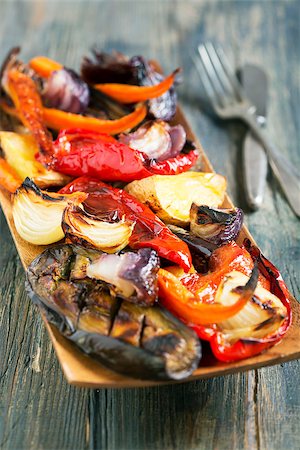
254 159
229 101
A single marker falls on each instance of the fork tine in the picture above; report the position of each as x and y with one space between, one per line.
219 69
211 74
205 81
229 71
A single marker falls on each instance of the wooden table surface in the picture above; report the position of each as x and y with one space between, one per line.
256 410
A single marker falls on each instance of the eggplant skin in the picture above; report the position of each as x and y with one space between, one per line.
142 342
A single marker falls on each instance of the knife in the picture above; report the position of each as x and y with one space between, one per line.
255 162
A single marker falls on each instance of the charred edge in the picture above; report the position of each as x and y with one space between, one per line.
275 318
205 215
141 337
11 55
265 306
29 185
111 107
114 313
194 242
252 282
250 286
188 146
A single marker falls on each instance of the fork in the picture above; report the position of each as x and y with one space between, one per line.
229 101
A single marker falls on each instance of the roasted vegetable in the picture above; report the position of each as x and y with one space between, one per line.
132 274
81 227
163 107
38 214
179 300
9 178
44 66
216 225
24 93
149 231
79 152
157 139
200 249
102 67
65 90
260 317
260 323
146 343
117 68
19 151
126 93
170 197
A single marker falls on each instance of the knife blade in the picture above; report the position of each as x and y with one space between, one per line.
255 162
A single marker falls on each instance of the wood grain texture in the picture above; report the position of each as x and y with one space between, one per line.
259 409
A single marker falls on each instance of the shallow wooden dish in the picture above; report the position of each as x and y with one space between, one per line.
80 370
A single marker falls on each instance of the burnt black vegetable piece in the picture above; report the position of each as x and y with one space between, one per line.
146 343
102 67
106 107
218 226
163 107
200 249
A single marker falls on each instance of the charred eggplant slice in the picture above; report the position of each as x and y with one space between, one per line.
143 342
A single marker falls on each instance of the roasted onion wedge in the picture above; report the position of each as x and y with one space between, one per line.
143 342
81 227
38 214
218 226
262 316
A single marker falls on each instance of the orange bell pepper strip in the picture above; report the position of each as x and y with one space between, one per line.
57 119
24 94
180 301
9 179
44 66
126 93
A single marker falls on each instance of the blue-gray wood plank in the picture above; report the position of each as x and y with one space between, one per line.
256 410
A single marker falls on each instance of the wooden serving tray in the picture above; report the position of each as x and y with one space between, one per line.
81 370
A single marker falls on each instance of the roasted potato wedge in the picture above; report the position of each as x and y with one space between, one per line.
171 196
19 151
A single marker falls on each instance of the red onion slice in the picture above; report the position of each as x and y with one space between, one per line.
134 274
66 91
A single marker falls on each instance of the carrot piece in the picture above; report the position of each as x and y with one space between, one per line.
23 92
125 93
56 119
9 179
44 66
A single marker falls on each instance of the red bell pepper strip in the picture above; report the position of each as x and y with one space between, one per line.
149 231
224 260
9 179
176 297
80 153
174 166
